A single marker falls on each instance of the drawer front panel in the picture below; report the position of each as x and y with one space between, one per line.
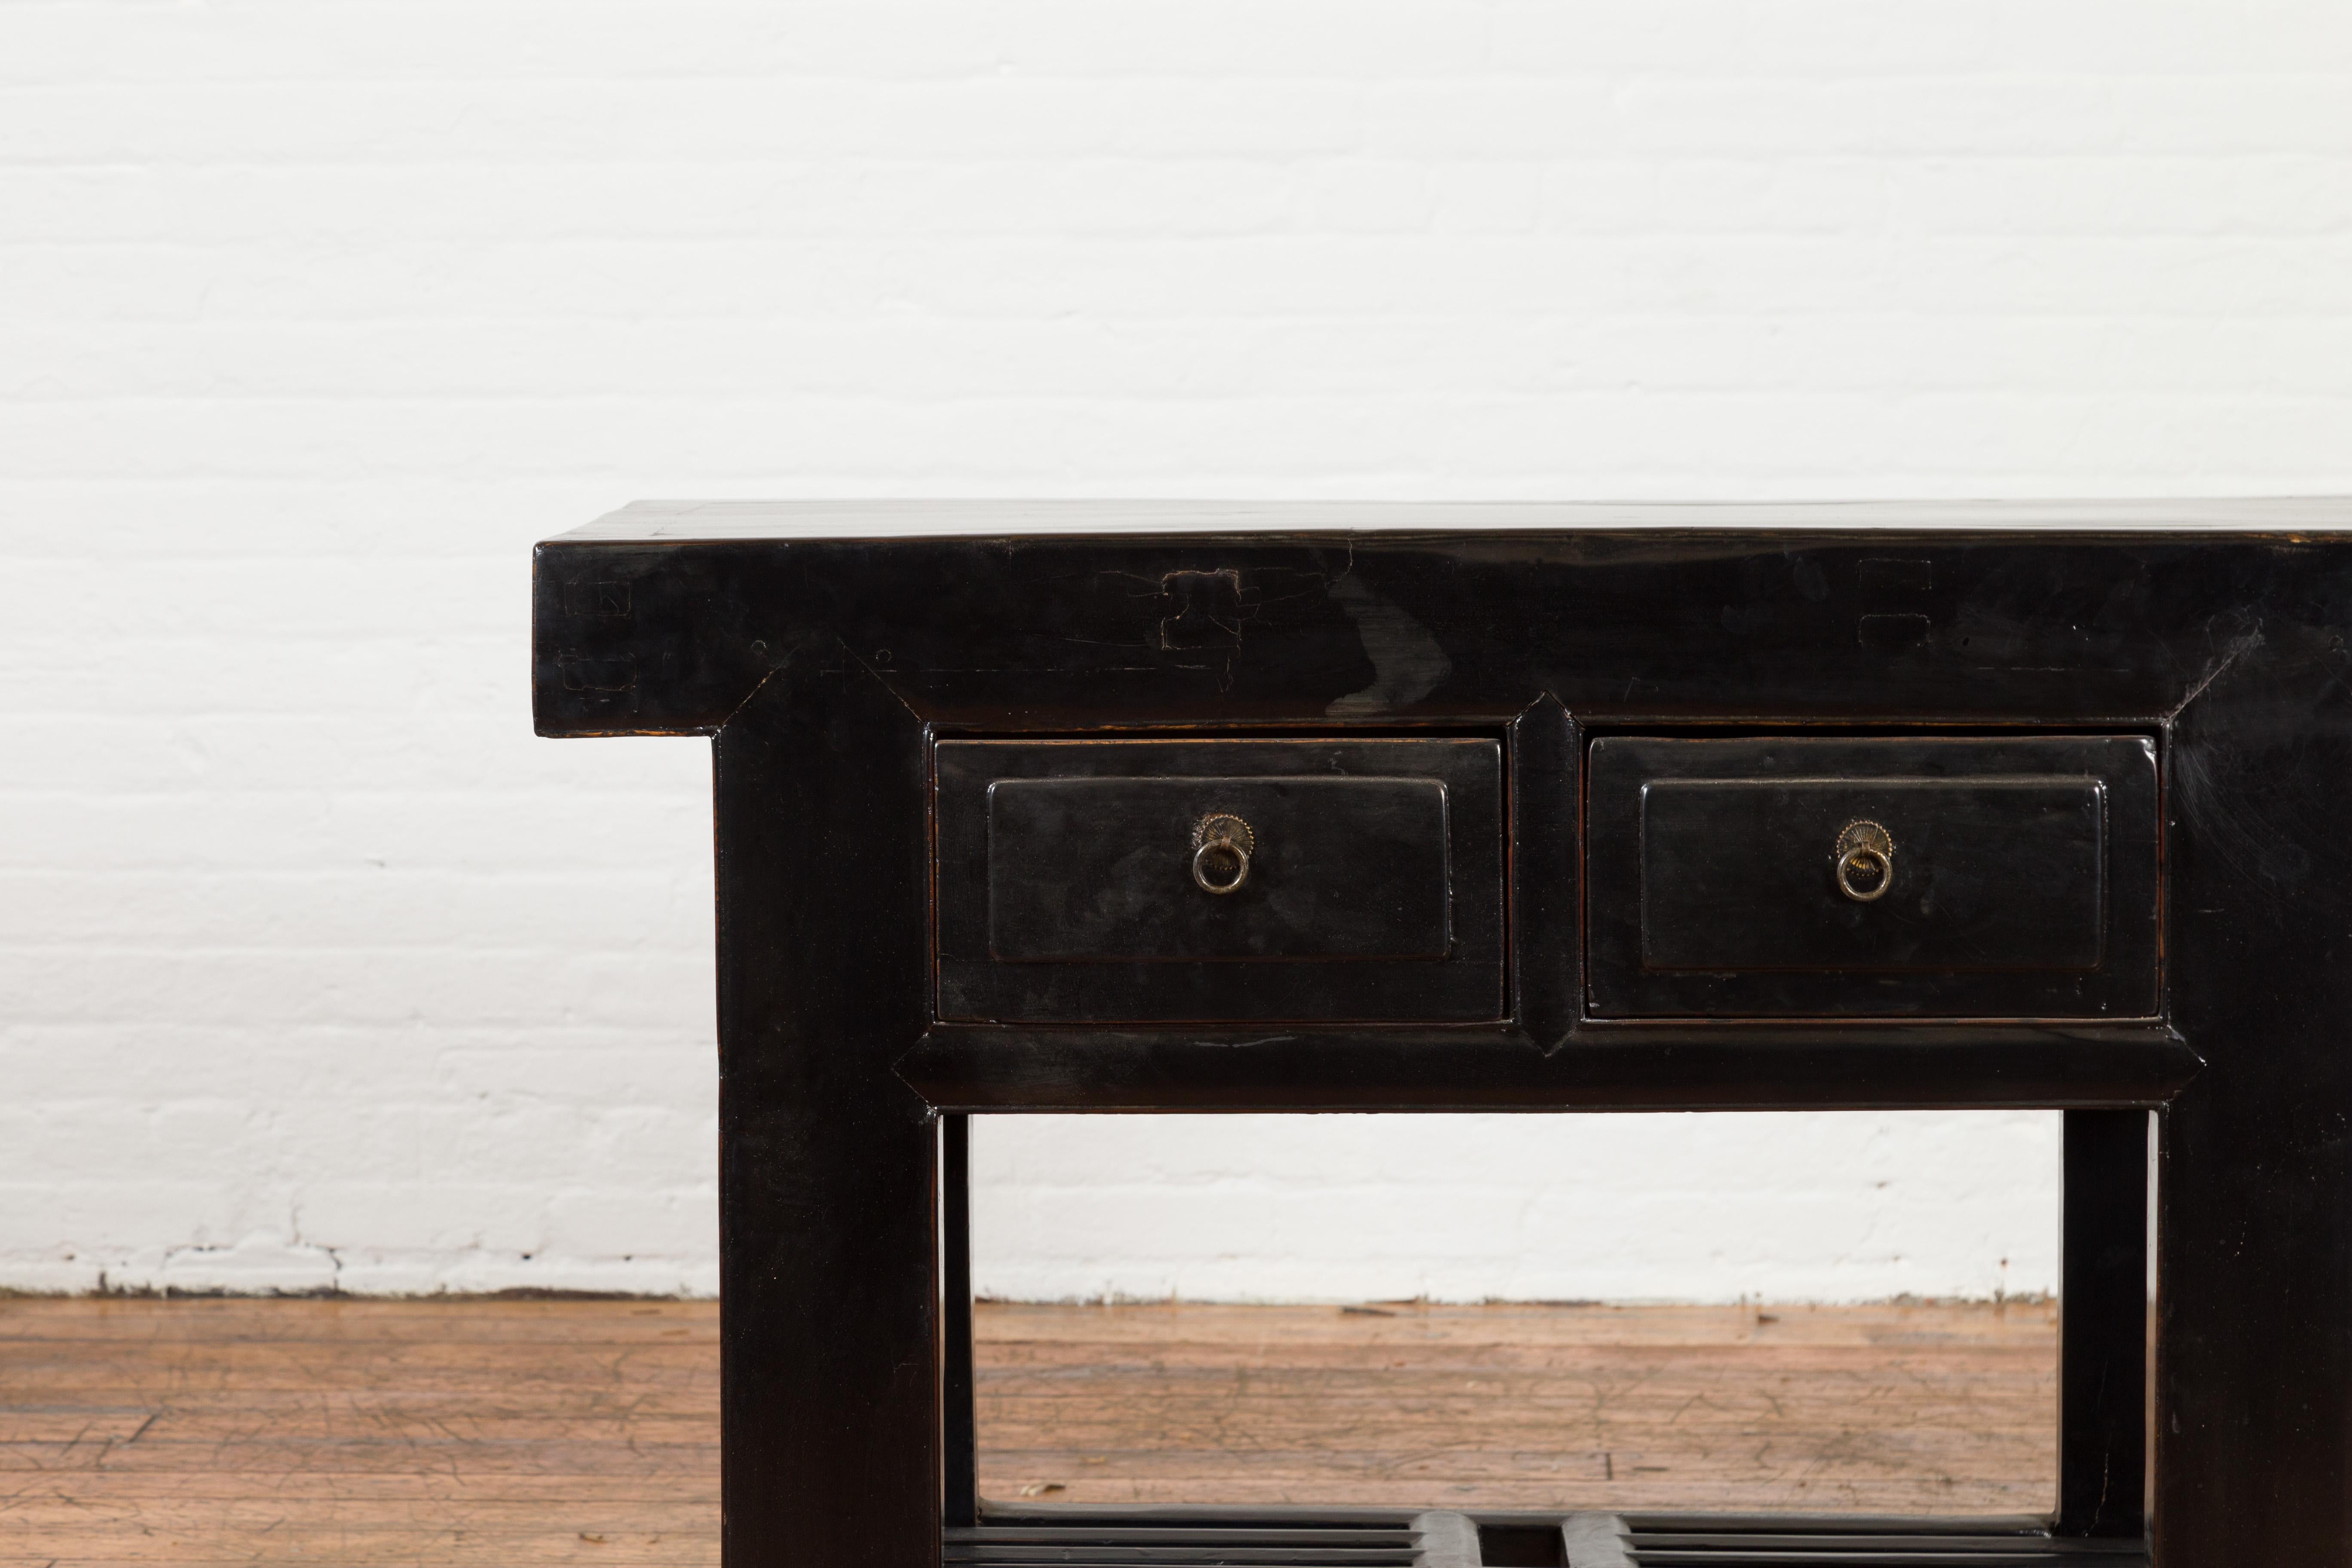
1997 873
1102 868
1076 882
1933 877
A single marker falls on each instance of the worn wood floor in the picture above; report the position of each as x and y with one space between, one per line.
473 1431
1892 1409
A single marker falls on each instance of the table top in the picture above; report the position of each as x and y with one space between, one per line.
679 522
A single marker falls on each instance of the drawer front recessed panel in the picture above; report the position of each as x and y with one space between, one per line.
1934 877
1102 868
1992 873
1204 881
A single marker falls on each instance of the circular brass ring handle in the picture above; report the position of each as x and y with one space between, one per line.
1222 840
1863 858
1867 848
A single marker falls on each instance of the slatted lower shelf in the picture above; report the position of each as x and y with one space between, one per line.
1168 1539
1668 1542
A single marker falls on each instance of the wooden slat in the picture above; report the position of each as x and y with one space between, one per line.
1172 1556
1171 1545
1865 1541
1963 1554
1761 1558
1177 1534
1886 1546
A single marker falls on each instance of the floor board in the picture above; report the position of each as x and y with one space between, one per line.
465 1431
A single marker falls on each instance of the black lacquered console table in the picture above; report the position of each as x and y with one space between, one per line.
1360 807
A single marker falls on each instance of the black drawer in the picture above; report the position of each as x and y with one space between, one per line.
1934 876
1198 880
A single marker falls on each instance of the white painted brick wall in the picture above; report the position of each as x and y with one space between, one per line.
1818 1207
316 967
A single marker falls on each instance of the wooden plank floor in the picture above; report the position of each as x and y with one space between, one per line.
1924 1409
477 1431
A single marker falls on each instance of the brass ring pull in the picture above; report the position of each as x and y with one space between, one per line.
1865 846
1221 845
